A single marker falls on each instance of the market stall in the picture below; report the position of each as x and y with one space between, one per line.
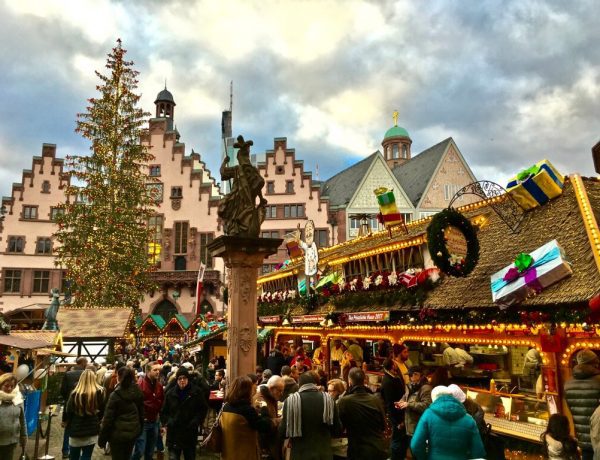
510 292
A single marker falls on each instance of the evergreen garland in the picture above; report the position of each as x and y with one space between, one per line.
437 242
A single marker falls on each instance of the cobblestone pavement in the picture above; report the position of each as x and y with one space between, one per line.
55 445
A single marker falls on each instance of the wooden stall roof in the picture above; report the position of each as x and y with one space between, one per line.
51 338
81 323
559 219
22 343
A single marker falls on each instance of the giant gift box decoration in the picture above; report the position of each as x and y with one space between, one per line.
388 211
536 185
530 274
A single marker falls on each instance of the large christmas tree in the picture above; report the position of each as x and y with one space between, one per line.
103 232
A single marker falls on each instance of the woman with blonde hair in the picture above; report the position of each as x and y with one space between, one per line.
82 416
12 417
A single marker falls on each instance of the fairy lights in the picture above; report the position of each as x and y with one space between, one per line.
589 220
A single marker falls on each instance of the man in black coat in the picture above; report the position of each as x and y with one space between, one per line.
69 382
363 416
582 393
183 412
392 390
276 360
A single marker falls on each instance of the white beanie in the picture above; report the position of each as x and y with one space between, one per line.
438 391
458 394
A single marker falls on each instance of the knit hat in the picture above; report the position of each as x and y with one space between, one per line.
189 366
458 394
438 391
182 371
586 356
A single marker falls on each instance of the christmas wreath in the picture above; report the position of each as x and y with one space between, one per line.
436 241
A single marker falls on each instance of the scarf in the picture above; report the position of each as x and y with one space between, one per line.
294 411
14 397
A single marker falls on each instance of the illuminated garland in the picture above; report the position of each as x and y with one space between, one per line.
446 262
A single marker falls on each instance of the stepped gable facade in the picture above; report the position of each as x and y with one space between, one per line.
26 244
187 198
293 199
185 222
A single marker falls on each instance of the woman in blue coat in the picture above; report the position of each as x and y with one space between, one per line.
445 431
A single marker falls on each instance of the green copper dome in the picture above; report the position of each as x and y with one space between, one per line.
396 131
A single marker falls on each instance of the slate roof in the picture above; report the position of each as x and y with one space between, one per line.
340 188
415 174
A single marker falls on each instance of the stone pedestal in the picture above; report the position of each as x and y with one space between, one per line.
244 257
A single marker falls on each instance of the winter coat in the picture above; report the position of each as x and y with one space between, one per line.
363 416
476 411
451 433
12 418
241 425
86 425
582 393
266 405
69 382
315 443
556 449
392 390
153 398
595 432
418 400
123 417
182 413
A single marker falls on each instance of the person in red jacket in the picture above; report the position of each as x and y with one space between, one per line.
153 401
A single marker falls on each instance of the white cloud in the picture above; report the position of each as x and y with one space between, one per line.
98 20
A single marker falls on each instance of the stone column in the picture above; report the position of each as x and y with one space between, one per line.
243 257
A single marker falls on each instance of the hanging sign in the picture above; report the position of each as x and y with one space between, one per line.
269 319
367 316
307 319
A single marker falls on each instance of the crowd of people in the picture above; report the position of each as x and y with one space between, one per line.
289 410
135 409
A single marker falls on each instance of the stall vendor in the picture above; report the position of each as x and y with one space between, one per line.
337 351
450 357
400 357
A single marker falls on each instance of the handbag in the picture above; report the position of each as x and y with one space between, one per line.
214 441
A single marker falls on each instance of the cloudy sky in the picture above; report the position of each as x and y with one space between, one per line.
511 81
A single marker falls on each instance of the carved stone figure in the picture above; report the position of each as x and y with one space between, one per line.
238 210
52 311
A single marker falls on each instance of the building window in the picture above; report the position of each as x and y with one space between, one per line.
270 234
180 263
279 170
270 187
205 240
155 171
423 215
16 243
354 223
404 151
268 268
43 246
41 281
289 186
395 151
30 212
447 192
55 212
322 238
407 216
271 212
181 237
293 210
65 284
155 223
12 280
374 223
176 192
46 186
